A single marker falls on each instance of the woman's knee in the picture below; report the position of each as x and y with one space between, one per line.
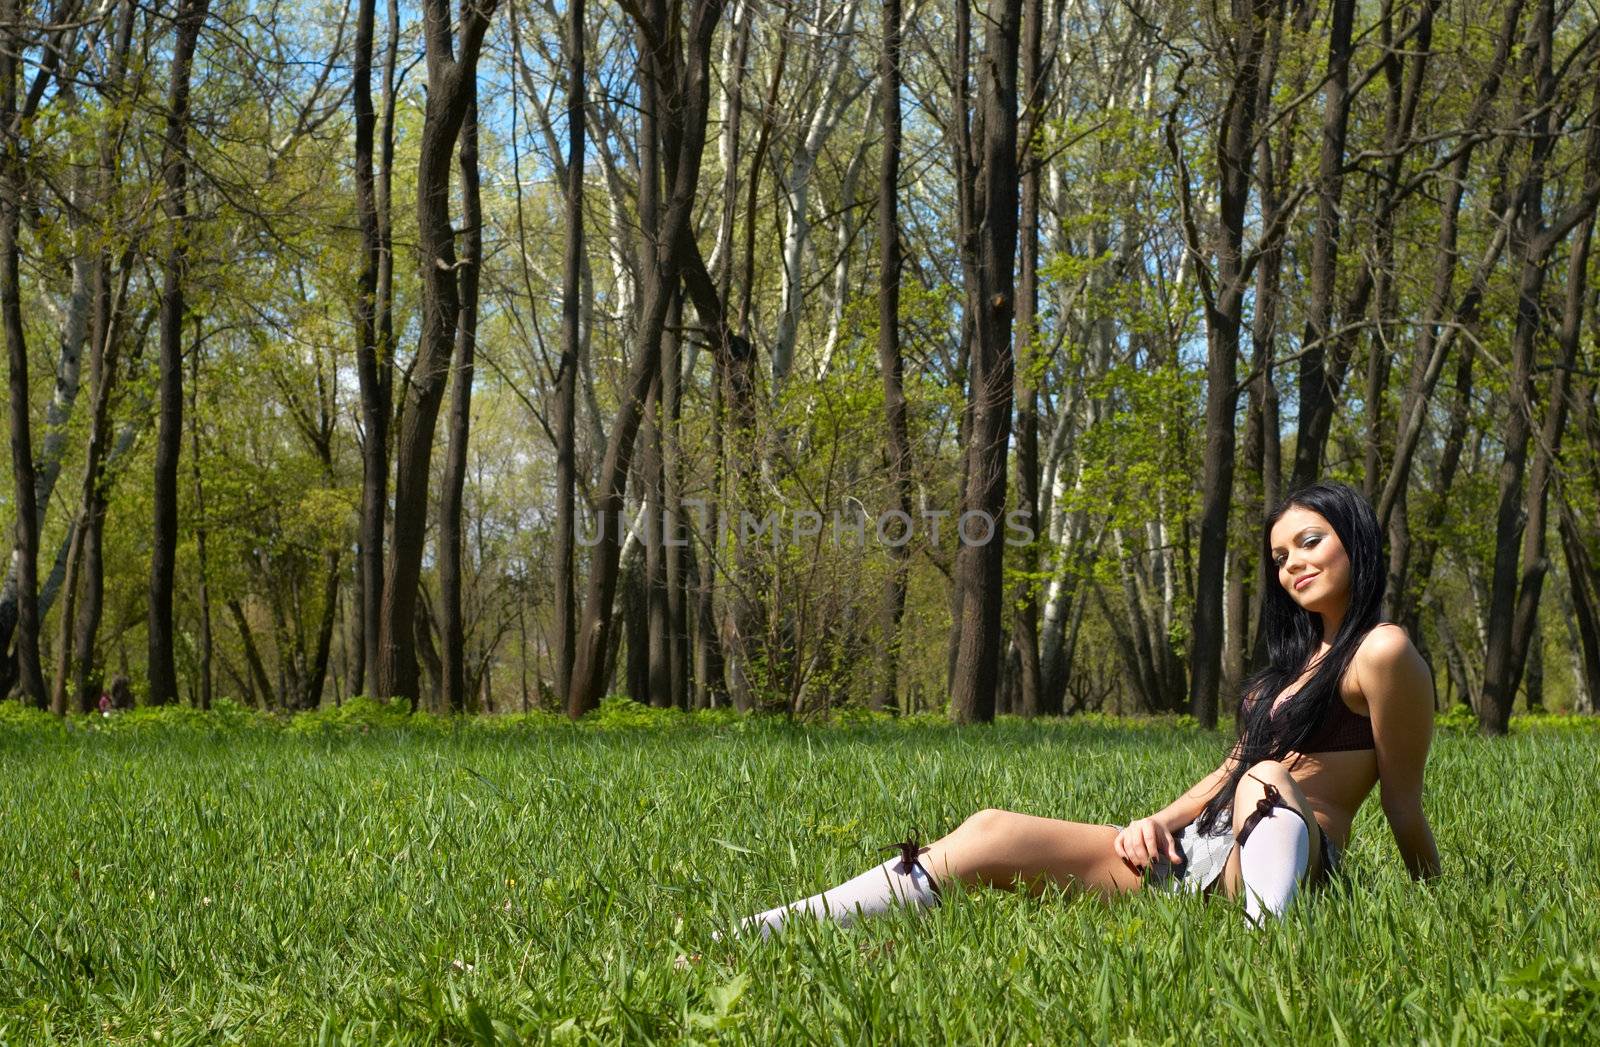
1253 786
986 822
1274 771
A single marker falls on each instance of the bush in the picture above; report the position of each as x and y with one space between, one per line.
618 711
361 713
225 715
19 716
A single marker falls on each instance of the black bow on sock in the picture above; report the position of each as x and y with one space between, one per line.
1264 806
909 849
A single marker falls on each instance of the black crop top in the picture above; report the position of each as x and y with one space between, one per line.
1341 730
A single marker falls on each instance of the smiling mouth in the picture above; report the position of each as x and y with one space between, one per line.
1304 581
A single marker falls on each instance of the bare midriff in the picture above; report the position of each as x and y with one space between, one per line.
1335 784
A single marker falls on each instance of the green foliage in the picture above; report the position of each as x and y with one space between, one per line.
17 716
361 713
1460 719
225 715
1549 997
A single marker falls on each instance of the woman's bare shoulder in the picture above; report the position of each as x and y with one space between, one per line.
1387 656
1385 641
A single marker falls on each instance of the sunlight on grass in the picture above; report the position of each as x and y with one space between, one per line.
484 885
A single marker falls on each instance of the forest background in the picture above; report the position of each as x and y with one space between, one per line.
338 338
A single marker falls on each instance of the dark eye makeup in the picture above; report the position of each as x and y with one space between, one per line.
1308 540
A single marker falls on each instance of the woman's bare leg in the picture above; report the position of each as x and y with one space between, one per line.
1002 848
996 848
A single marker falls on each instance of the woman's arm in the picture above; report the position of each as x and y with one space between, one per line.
1187 807
1399 693
1146 838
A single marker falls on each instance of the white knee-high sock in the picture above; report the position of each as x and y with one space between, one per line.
1271 861
865 895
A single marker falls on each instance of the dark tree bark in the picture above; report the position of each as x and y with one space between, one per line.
1410 573
26 550
1262 452
370 362
316 676
1032 700
455 468
252 656
1404 81
451 77
106 335
105 311
1432 342
632 608
1320 376
200 522
1583 576
886 692
1514 589
745 622
965 164
658 691
686 82
431 696
162 671
567 369
675 603
1525 640
1224 300
652 654
735 387
979 575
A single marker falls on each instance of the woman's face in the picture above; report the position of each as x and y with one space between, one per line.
1313 567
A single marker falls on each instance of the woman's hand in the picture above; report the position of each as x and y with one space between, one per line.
1143 841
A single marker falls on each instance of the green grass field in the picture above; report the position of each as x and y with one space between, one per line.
534 884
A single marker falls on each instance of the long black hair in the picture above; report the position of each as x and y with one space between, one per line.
1293 635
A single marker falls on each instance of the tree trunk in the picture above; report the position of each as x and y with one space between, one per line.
885 695
1263 453
672 540
1432 343
200 522
370 364
104 322
658 691
1319 381
980 558
823 117
567 370
1224 307
687 99
1525 640
162 670
1508 624
26 552
451 86
1583 576
1025 627
310 696
455 470
252 655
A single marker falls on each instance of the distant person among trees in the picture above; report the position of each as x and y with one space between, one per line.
1352 706
121 694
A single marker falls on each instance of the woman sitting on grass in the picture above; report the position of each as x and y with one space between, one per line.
1351 705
